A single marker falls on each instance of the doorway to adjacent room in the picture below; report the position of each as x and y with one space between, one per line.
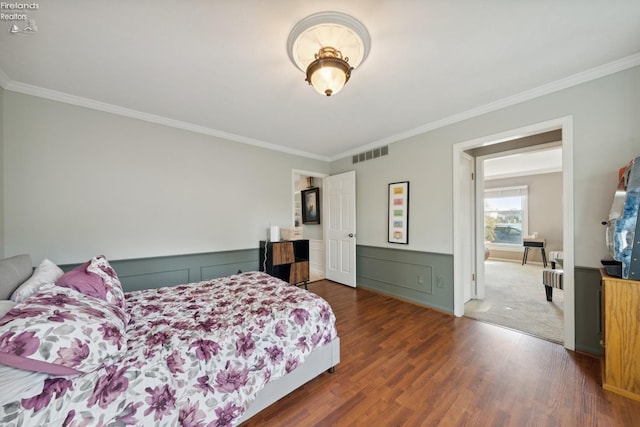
332 239
463 241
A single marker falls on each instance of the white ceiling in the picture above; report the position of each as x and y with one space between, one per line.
221 67
545 160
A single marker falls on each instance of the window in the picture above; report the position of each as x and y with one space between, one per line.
505 215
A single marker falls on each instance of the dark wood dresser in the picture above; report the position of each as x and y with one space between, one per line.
288 260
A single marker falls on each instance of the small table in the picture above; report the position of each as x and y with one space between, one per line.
529 243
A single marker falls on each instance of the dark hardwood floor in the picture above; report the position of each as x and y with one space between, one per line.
405 365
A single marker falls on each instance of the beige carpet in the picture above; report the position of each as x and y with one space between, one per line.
515 299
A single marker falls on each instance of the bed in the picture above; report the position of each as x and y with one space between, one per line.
75 350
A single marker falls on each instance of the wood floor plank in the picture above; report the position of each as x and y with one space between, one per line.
405 365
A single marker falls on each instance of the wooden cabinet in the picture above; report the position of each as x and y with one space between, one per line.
621 335
287 260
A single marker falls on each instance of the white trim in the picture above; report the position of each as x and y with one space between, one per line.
566 125
310 173
567 233
479 234
567 82
305 34
152 118
468 225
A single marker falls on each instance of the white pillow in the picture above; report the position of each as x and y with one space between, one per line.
20 382
46 272
5 306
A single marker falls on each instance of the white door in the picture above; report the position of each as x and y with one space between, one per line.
340 228
467 212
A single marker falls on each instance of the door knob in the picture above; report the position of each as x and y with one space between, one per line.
350 234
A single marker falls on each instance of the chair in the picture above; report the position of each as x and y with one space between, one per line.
552 278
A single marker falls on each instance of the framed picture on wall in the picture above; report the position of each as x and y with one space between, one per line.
311 206
398 229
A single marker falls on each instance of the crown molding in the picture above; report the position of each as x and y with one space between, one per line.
66 98
565 83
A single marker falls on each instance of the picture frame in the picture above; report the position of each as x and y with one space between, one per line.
311 205
398 214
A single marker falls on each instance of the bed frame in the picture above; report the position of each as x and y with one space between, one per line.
16 270
320 360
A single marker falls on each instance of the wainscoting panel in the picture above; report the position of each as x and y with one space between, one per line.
394 272
588 310
398 274
421 277
227 269
153 280
156 272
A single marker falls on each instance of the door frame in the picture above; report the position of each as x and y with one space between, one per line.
468 223
295 172
294 189
565 124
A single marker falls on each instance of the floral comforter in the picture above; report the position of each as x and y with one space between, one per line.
196 355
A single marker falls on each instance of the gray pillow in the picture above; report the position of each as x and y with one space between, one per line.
5 306
14 271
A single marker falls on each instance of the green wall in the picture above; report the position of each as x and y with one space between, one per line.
156 272
78 182
606 134
588 310
421 277
395 272
81 182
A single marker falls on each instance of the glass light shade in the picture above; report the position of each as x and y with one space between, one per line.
329 72
328 80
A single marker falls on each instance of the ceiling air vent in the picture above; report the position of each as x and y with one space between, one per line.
371 154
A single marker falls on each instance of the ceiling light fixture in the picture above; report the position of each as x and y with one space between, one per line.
327 46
